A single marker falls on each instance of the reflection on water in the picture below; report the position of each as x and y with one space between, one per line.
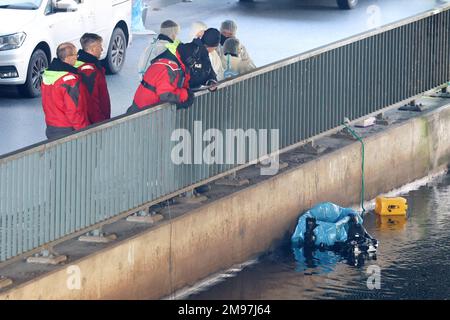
412 257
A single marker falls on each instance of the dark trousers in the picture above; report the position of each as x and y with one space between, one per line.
57 132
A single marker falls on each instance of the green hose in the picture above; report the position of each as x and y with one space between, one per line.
362 166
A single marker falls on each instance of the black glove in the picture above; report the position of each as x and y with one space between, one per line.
189 102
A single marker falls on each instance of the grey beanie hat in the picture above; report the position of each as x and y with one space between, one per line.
229 25
169 28
231 46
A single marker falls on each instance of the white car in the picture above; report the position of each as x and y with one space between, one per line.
31 30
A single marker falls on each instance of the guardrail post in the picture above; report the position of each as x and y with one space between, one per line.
312 148
233 181
5 282
382 120
344 134
145 217
47 256
412 106
97 236
191 197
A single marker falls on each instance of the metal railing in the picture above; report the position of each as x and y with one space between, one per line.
56 188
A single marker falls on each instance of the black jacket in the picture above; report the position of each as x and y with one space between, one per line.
202 71
58 65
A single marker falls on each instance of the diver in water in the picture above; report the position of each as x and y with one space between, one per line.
358 247
310 242
356 232
359 240
310 237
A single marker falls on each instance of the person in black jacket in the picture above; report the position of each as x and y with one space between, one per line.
202 72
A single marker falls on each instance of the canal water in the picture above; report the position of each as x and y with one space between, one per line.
412 261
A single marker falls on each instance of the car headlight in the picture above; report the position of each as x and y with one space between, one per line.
12 41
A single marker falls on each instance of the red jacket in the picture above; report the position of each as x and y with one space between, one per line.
64 97
165 80
93 76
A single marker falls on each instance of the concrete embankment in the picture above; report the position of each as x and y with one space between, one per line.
238 224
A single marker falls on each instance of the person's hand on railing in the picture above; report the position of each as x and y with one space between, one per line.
212 85
189 101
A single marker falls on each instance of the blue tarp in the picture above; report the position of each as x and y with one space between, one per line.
332 222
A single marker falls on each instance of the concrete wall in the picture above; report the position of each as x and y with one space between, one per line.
238 227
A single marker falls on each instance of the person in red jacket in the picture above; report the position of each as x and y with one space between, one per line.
63 94
167 78
93 76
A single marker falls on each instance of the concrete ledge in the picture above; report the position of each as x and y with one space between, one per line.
237 227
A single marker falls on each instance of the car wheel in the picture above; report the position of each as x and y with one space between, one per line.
347 4
116 52
36 68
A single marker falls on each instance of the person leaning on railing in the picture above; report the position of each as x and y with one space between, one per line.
203 73
197 31
167 35
64 96
167 79
232 60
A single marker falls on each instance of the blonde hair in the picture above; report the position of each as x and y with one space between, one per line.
196 28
